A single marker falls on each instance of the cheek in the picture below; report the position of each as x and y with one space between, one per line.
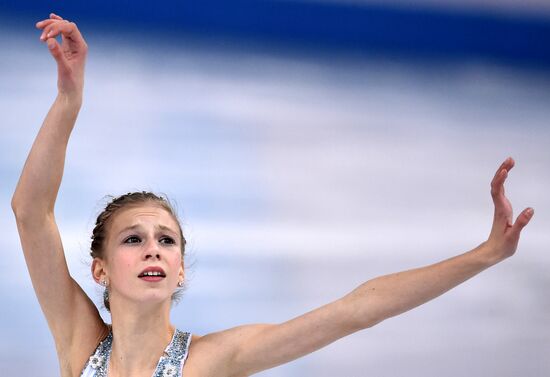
175 261
122 263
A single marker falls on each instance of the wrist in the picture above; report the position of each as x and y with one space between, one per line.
73 100
486 252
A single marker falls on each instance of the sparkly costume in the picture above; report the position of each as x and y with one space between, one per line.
169 365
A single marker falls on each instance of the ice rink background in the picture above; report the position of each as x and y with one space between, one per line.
298 176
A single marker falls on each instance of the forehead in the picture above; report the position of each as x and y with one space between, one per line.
144 214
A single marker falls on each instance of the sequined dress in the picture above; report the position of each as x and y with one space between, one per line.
169 365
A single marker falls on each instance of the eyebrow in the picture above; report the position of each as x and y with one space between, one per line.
137 226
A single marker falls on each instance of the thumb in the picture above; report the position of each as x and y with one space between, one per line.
55 50
522 220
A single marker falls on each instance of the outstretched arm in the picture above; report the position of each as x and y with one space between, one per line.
394 294
263 346
63 302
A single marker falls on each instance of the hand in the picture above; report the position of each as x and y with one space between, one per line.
70 56
504 237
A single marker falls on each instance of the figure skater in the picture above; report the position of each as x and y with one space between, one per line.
138 249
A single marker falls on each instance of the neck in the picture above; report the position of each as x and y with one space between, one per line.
141 333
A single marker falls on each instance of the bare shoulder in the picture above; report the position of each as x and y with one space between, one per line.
213 354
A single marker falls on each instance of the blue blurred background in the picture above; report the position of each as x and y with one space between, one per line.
310 146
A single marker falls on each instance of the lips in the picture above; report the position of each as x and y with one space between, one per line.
152 274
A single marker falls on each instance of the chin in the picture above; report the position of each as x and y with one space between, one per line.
152 298
156 299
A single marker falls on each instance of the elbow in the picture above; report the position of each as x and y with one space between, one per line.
361 313
20 214
25 211
18 207
18 202
367 320
365 323
15 207
365 308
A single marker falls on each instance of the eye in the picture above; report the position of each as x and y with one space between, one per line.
167 240
132 239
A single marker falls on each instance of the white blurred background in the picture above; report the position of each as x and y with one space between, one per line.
298 176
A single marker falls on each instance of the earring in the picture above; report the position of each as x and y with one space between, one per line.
105 291
106 295
180 283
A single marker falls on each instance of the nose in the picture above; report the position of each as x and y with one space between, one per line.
152 250
151 256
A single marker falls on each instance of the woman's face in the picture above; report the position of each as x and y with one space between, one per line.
143 261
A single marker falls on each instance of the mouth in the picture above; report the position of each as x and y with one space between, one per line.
152 274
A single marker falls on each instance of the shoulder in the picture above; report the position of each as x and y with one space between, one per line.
214 354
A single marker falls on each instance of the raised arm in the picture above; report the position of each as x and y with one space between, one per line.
262 346
38 185
63 302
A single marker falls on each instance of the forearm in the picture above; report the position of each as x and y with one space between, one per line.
41 176
390 295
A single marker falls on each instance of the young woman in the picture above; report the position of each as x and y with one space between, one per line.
138 250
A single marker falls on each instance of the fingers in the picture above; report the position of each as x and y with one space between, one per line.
50 29
497 184
53 17
68 30
504 232
507 164
43 24
522 220
55 50
54 28
72 51
54 25
503 215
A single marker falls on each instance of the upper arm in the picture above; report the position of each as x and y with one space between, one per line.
71 315
262 346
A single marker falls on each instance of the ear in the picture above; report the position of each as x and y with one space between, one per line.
181 273
99 272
